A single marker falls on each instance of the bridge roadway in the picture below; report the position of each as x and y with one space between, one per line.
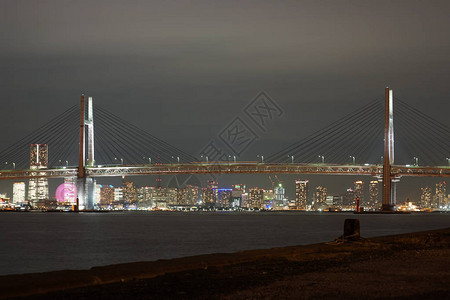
227 168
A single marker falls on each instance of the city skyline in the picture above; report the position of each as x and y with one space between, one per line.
309 195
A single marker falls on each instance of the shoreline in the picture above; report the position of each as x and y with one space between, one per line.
128 274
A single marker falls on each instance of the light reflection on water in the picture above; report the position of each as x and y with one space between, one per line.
38 242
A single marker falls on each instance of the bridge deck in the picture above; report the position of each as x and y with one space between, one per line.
228 168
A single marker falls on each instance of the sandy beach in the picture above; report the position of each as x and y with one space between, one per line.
407 266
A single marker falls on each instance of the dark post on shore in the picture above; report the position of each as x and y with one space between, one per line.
351 229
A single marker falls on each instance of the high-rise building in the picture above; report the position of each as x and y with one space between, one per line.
301 194
349 199
237 195
106 195
118 194
279 192
320 198
97 193
426 198
18 192
181 196
38 187
255 197
70 197
224 197
359 190
441 191
38 156
191 195
373 194
129 193
209 195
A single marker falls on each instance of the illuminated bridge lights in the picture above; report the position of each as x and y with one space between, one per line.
229 168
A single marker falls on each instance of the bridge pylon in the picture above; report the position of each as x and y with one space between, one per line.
389 183
85 185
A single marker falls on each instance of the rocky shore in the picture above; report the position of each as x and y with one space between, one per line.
407 266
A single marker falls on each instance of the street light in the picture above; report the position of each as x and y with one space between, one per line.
416 161
292 158
121 161
205 157
353 159
67 163
323 158
234 157
448 160
262 157
14 165
178 159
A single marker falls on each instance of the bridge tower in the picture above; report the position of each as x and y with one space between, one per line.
85 185
389 183
81 176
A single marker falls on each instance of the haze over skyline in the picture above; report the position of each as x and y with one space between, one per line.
183 70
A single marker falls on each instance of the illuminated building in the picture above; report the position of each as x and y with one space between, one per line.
70 197
19 192
373 194
224 197
425 197
106 195
118 194
320 198
237 195
255 198
279 192
129 192
209 195
191 195
301 194
38 187
439 198
349 199
181 196
359 190
97 193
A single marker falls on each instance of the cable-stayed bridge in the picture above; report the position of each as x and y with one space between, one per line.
115 147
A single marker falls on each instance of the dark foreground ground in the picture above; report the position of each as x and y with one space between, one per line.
408 266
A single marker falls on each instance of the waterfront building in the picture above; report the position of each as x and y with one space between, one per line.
425 198
320 198
19 192
181 196
338 201
349 199
38 187
210 194
107 195
97 193
237 195
118 194
129 193
224 197
301 194
373 194
359 191
255 198
71 183
440 199
191 195
279 192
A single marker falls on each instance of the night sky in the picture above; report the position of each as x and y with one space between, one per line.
183 70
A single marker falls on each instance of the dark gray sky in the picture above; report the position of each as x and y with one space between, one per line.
184 69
